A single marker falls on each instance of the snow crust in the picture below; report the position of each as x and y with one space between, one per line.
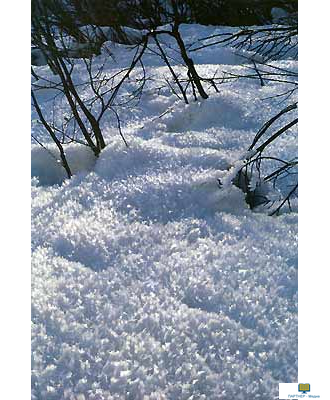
148 281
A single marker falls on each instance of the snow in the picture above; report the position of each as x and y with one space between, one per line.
278 14
104 33
148 280
38 57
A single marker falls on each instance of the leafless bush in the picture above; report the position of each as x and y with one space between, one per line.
258 156
83 122
265 44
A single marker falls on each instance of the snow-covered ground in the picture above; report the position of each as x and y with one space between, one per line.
148 280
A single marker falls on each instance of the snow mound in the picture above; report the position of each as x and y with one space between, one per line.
46 162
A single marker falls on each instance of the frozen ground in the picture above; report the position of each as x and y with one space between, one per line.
148 281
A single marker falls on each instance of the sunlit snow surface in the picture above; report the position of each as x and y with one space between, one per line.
148 281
